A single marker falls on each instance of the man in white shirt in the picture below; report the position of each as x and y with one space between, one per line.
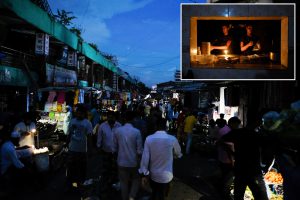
9 156
105 133
105 145
129 146
15 173
157 160
27 130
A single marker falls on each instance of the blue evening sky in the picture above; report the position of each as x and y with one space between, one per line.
143 34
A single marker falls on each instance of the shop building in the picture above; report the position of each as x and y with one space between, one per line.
40 57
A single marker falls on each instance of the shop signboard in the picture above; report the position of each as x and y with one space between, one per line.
176 96
14 76
42 44
97 85
115 82
72 59
47 40
60 76
203 100
82 83
81 62
39 43
64 56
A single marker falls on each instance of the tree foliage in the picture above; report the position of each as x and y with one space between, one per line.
95 46
110 57
143 89
77 30
64 17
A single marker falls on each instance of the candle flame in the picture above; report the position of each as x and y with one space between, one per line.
194 51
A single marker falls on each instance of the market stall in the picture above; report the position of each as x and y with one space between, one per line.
51 128
274 186
283 128
53 139
114 101
274 182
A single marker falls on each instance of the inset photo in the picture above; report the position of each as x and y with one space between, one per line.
238 41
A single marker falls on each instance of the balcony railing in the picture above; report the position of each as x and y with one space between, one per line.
43 4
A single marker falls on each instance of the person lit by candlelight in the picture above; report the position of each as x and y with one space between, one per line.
16 171
222 45
27 129
250 42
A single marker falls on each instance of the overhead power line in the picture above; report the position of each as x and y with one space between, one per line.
153 65
150 36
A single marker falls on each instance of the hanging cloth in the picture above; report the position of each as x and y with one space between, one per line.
61 97
76 97
51 96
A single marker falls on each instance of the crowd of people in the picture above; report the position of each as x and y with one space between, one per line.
124 141
137 147
134 144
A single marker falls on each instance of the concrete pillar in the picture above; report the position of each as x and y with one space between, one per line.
222 100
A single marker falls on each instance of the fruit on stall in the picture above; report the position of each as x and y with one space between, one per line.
273 177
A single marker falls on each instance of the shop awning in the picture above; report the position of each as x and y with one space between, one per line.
107 88
88 89
124 74
15 76
194 86
46 89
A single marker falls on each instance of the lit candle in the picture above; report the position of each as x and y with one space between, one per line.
226 52
194 51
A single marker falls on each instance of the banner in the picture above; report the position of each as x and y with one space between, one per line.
60 76
47 40
81 60
42 44
72 59
115 82
64 56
